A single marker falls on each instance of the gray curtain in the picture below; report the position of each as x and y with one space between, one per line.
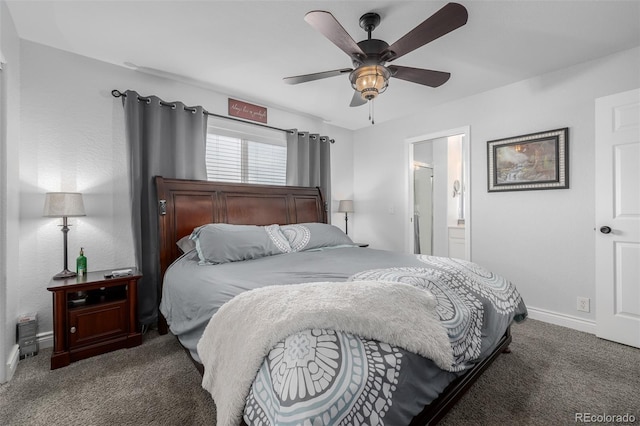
164 139
309 162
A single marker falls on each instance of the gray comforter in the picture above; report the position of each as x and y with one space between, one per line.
328 377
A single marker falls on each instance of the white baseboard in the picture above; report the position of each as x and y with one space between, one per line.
45 340
12 362
564 320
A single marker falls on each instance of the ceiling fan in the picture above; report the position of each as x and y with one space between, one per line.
370 75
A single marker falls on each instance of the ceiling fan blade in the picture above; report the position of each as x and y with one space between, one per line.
357 99
315 76
418 75
447 19
325 23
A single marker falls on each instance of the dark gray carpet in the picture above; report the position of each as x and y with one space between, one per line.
152 384
552 374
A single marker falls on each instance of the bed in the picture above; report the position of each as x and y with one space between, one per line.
364 379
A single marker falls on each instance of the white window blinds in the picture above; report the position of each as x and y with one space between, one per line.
266 163
224 158
236 156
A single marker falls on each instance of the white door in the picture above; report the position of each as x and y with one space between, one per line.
617 167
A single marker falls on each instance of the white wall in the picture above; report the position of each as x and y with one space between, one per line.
454 173
341 173
541 240
440 172
9 192
73 140
423 152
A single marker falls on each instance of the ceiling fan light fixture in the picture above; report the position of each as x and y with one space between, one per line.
370 80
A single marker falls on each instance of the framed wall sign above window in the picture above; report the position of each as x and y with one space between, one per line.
534 161
247 111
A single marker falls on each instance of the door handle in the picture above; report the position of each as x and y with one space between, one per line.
605 229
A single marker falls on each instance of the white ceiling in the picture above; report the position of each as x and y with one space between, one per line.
245 48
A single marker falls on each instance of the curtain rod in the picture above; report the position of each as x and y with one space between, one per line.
116 94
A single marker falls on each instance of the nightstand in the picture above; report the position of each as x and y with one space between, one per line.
93 315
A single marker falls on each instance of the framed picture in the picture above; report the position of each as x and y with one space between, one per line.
528 162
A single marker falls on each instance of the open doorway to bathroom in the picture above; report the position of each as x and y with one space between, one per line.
438 199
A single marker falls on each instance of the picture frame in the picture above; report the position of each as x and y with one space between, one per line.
529 162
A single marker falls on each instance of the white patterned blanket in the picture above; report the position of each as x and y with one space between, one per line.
232 348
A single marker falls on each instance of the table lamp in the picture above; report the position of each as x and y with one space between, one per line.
346 207
64 205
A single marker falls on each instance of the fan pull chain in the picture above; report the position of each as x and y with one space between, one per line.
371 112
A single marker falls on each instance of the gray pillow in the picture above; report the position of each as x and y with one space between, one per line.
186 244
313 236
223 243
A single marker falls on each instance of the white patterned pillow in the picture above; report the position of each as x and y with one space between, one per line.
223 243
314 236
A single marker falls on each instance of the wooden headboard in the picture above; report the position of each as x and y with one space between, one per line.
186 204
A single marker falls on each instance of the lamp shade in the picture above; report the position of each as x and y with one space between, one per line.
63 204
370 80
345 206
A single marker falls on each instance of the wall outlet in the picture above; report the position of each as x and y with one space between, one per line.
584 304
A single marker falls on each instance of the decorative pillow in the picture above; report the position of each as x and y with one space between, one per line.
310 236
223 243
186 244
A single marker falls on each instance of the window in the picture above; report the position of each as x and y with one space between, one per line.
233 156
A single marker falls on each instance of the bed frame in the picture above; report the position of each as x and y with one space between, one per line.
186 204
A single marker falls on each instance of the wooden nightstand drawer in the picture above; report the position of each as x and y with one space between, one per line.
97 323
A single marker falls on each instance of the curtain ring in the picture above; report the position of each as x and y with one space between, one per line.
172 106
